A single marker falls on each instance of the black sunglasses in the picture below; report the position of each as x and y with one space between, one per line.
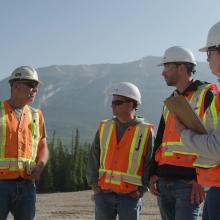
209 51
119 102
30 84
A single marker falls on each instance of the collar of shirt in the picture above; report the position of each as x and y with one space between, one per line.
132 122
192 87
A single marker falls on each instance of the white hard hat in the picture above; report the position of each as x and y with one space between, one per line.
24 72
178 54
129 90
213 39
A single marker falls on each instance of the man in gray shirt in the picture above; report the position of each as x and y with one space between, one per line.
117 167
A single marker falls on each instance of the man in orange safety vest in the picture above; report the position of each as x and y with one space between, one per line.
172 175
117 167
23 149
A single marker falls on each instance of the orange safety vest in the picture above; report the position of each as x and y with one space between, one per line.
209 175
171 137
121 164
18 140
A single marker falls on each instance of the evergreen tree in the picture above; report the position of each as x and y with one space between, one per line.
66 168
45 183
75 164
46 178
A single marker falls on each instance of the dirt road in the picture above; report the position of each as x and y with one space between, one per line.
77 205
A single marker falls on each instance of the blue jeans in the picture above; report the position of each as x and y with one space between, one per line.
109 205
174 200
19 198
211 210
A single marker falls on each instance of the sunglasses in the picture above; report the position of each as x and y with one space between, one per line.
30 84
119 102
209 52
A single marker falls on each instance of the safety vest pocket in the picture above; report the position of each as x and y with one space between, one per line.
4 172
209 177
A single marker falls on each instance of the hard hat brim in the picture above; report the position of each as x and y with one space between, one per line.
203 49
20 79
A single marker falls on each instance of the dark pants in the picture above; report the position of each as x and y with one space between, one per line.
174 200
19 198
211 210
109 205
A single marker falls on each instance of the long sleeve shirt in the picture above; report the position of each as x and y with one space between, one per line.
206 145
92 173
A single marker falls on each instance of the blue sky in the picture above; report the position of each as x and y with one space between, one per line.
48 32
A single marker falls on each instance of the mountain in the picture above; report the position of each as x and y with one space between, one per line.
75 96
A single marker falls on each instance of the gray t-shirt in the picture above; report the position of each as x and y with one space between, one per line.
18 113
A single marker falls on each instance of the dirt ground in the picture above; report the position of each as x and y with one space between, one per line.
77 205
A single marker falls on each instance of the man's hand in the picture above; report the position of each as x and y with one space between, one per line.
42 158
96 190
37 170
197 194
153 187
135 194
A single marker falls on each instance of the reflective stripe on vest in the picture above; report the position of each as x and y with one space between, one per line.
165 113
105 135
2 130
204 164
34 118
196 101
135 154
210 120
15 164
115 177
212 112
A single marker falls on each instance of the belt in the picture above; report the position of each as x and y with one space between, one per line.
118 193
19 179
170 180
